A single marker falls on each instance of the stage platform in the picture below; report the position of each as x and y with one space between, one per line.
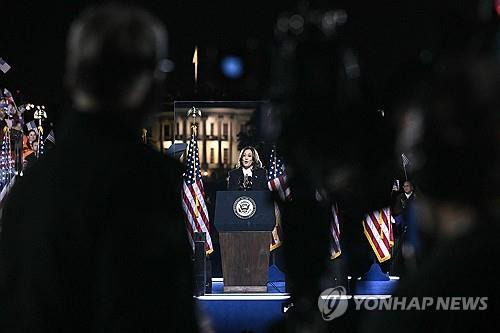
256 312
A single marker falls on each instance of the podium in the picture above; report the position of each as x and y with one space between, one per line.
244 220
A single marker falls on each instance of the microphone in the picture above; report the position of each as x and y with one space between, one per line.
246 183
240 183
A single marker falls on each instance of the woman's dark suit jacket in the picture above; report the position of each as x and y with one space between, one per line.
259 179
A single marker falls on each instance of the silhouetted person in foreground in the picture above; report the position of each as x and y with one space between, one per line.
458 176
331 136
103 247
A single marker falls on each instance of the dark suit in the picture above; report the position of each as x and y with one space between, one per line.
259 179
103 246
399 211
401 203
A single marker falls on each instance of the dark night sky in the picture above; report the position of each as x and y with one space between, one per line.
33 43
387 34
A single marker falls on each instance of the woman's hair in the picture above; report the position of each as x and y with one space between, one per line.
256 160
32 130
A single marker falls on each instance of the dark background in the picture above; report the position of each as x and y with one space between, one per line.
392 38
387 34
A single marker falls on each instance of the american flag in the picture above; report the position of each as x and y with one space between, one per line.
193 196
335 250
32 126
7 175
405 159
377 227
276 177
8 96
4 67
276 181
10 106
5 104
51 137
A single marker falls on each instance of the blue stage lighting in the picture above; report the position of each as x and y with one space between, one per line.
232 67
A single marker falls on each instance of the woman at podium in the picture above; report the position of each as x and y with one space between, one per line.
249 174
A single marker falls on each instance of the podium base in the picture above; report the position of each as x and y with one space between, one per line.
245 261
245 289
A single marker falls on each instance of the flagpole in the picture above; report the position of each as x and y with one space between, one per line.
195 62
405 161
194 112
39 115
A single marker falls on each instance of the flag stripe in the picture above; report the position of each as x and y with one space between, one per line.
335 249
200 192
190 232
381 256
380 227
200 221
378 231
378 247
195 193
188 209
377 227
386 226
196 225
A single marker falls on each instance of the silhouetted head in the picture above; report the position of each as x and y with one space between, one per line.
407 187
116 59
332 136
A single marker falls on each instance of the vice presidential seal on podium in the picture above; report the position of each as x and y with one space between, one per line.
244 207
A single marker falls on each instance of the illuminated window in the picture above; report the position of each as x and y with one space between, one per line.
226 156
212 155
